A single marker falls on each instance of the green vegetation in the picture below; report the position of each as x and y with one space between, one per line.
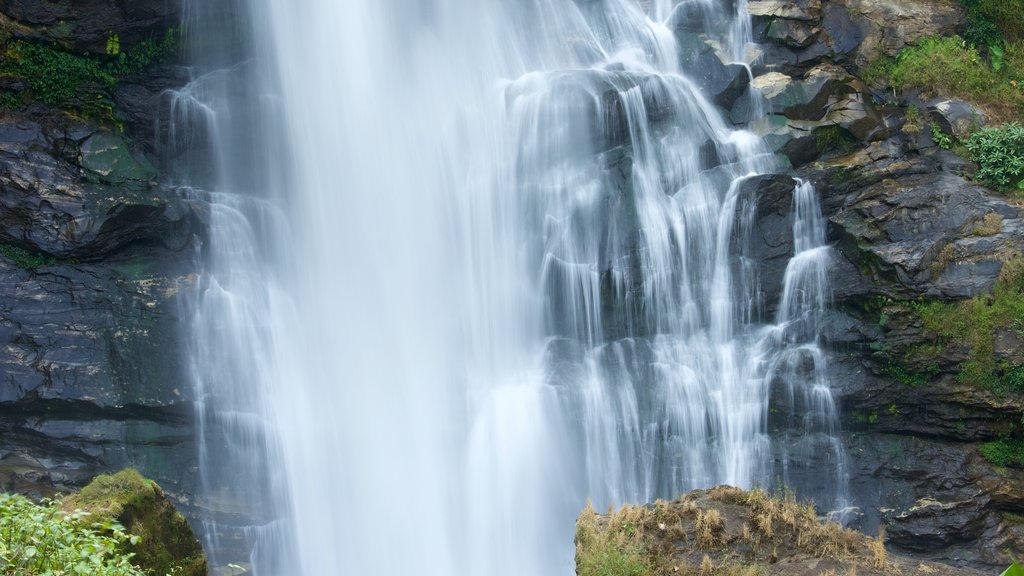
973 324
910 377
56 77
24 259
999 153
165 544
993 21
832 137
43 539
945 141
615 551
952 68
1004 452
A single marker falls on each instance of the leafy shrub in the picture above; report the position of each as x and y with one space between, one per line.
944 141
42 539
999 153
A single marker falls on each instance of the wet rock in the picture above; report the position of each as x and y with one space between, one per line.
922 231
892 26
109 335
793 33
769 244
723 82
82 194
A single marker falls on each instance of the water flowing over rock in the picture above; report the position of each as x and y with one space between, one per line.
521 268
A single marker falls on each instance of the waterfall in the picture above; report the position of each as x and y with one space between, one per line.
472 263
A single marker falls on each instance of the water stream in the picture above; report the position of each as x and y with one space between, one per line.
472 263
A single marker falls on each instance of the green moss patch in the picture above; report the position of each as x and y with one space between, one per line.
165 543
973 324
83 83
24 259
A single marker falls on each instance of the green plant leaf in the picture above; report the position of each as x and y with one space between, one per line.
1014 570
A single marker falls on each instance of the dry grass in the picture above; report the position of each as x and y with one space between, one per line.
709 525
990 225
879 556
945 257
725 532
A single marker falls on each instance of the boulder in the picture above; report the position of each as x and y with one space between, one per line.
166 544
957 117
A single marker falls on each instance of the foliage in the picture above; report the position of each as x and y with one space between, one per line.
1006 16
1004 452
999 153
23 258
945 141
832 137
56 77
615 551
973 324
950 67
42 539
144 54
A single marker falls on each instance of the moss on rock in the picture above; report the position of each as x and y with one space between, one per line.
166 544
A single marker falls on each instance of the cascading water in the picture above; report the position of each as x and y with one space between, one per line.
502 267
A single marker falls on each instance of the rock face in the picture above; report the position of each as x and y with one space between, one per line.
97 262
89 25
923 349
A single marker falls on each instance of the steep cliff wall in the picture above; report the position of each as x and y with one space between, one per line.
97 253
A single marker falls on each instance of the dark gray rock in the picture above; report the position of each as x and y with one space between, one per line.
937 499
83 195
768 243
721 81
86 25
923 232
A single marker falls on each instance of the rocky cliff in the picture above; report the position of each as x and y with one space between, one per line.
97 253
925 336
98 257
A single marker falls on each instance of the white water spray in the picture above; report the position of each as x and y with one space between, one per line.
495 275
